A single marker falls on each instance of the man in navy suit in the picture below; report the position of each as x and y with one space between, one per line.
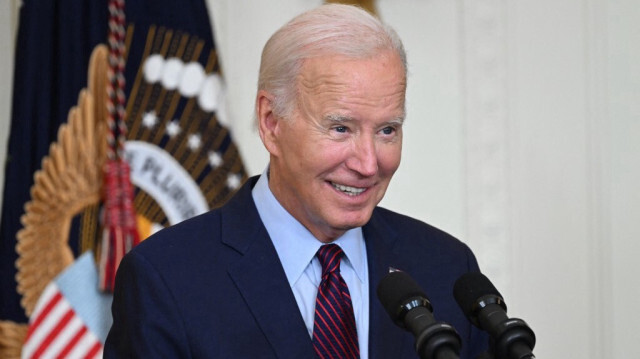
241 281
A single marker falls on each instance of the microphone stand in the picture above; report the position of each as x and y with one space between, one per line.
489 354
485 355
515 340
433 340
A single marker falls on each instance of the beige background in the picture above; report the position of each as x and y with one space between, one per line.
522 139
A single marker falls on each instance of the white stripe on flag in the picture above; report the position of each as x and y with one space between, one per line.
48 293
84 346
41 331
63 338
53 335
66 315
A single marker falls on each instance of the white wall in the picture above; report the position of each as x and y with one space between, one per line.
623 171
521 139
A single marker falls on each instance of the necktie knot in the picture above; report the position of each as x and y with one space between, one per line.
329 256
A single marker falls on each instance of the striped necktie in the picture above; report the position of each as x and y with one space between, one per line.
334 327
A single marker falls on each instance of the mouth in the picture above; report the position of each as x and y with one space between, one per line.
348 190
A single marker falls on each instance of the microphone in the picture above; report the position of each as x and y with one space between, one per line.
410 309
483 305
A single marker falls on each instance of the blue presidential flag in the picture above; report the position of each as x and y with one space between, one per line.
55 40
182 158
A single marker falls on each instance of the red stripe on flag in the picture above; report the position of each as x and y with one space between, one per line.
72 343
54 333
95 349
43 314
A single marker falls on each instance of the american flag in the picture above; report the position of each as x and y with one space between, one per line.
72 318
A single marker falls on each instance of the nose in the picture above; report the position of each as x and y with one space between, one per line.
364 158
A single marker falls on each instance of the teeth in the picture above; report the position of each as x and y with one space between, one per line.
351 191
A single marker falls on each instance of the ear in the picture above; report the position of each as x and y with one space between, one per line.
267 121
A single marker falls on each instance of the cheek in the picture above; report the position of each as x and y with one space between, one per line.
328 153
298 151
389 159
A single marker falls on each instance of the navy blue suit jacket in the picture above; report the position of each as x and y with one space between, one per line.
213 287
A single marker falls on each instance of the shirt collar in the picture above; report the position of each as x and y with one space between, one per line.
295 245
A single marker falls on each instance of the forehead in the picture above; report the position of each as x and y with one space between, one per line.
378 80
327 66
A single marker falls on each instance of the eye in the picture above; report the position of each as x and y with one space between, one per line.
388 130
341 129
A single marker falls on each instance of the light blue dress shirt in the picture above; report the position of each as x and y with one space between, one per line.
297 247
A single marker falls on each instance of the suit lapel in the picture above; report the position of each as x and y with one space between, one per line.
259 277
386 340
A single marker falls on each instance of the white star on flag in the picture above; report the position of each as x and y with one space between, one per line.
173 128
215 159
233 181
149 119
194 142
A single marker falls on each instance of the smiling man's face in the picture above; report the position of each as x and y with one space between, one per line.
331 163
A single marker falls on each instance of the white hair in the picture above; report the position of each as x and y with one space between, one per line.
331 29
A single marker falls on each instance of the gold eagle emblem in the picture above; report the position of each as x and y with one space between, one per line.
69 181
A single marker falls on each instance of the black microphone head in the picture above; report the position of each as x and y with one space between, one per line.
399 293
473 291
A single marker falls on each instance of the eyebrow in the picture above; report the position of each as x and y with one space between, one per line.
397 121
339 119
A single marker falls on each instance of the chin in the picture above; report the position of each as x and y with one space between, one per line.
349 221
